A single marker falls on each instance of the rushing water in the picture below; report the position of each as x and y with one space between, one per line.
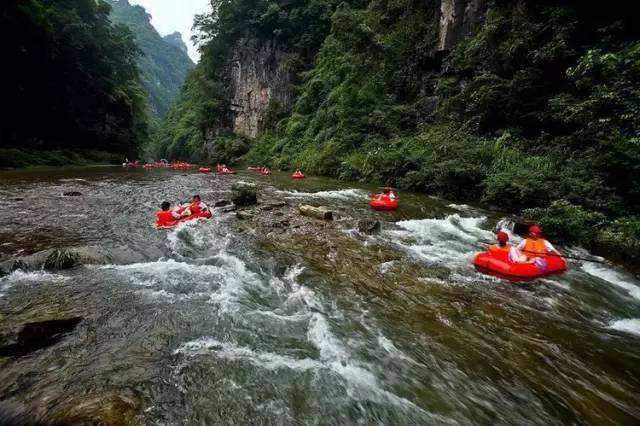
210 323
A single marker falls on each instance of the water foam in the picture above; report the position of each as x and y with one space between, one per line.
613 277
452 240
21 277
631 326
343 194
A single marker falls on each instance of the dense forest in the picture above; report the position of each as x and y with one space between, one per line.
164 63
536 111
70 84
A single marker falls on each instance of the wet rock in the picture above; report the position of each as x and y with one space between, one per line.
230 208
369 226
72 194
244 194
272 205
18 199
61 259
19 264
222 203
242 215
316 212
39 335
107 408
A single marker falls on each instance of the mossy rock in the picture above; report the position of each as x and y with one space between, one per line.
61 259
244 194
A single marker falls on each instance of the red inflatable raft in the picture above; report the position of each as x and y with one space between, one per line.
498 264
204 170
202 215
298 175
383 202
226 171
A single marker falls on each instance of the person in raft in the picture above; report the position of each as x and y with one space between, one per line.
535 245
197 206
389 192
166 215
514 255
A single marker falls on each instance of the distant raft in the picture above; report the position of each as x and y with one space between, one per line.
298 175
384 202
204 170
498 264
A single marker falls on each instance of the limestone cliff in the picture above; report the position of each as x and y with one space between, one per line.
258 79
458 19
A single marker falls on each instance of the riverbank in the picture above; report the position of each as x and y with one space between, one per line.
13 158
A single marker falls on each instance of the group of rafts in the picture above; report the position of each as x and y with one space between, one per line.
533 258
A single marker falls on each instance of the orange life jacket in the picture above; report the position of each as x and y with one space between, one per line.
532 246
164 218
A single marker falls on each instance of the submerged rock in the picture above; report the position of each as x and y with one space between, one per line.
72 194
242 215
61 259
369 226
317 212
272 205
222 203
244 194
107 408
39 335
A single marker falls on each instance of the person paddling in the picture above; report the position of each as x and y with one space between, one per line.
166 216
513 254
197 206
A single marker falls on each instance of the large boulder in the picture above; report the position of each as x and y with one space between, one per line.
244 194
316 212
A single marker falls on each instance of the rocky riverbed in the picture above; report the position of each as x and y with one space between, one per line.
266 315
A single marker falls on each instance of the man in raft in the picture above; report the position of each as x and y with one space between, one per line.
513 254
166 216
535 245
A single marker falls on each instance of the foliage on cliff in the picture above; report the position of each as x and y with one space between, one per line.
198 125
69 79
164 63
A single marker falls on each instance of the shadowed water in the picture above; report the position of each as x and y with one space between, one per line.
222 322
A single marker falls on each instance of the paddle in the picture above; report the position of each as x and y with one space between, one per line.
584 259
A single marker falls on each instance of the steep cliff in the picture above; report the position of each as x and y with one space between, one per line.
459 19
259 83
164 64
175 39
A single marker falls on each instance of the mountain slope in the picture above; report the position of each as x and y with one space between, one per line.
164 64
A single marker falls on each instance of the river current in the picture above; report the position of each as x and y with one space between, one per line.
222 322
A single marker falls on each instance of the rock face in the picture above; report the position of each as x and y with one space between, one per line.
458 19
258 80
175 39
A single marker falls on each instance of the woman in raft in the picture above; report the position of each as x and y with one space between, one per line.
530 250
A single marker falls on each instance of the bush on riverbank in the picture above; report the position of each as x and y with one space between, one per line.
20 158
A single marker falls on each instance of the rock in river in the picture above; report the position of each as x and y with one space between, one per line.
317 212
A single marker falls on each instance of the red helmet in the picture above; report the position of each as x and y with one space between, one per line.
535 230
503 237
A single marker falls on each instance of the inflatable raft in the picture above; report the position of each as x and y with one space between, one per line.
498 264
169 225
204 170
382 202
226 171
298 175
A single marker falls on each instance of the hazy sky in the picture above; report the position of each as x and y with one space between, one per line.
175 15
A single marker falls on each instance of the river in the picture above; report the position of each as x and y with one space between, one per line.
275 318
